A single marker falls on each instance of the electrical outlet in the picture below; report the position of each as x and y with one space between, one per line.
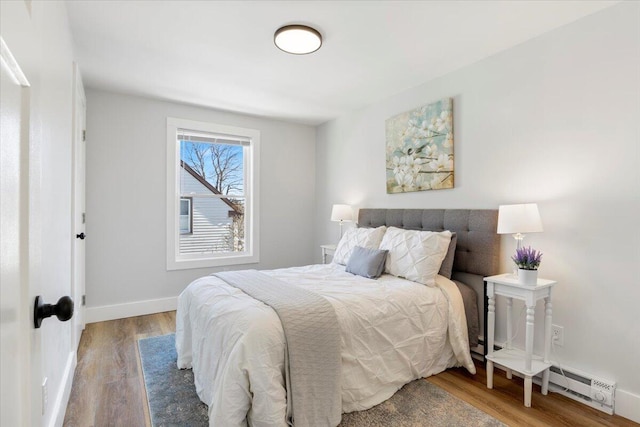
557 335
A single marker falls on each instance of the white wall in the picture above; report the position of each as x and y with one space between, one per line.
41 42
555 121
126 212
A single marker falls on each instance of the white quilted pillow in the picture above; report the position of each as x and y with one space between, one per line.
369 238
415 255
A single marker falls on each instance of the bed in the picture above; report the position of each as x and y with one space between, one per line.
391 330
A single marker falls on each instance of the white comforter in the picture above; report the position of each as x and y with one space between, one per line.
393 331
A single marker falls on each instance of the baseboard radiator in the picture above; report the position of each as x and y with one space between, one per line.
595 392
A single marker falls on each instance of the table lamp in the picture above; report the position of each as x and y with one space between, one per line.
519 220
341 213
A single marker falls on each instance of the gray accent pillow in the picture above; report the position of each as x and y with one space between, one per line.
447 263
367 262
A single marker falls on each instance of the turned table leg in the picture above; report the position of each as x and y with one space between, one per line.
489 374
509 331
547 342
527 390
491 319
545 382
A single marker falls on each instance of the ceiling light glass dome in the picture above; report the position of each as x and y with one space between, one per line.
297 39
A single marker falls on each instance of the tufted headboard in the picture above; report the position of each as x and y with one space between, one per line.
477 249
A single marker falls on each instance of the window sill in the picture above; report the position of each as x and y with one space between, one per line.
222 261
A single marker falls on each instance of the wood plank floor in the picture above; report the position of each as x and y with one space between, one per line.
108 388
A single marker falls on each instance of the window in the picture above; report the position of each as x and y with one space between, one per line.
185 215
212 194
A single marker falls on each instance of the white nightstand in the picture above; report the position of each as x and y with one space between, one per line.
327 250
524 362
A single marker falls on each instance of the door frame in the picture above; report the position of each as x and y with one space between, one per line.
78 203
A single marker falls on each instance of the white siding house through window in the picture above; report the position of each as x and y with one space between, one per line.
211 218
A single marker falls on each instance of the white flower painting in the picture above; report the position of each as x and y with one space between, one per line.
420 148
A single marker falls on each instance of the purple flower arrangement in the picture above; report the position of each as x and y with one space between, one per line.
527 258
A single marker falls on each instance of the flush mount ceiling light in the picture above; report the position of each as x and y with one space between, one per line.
297 39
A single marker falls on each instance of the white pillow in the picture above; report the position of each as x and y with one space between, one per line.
369 238
415 255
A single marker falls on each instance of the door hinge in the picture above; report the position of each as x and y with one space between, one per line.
84 300
84 135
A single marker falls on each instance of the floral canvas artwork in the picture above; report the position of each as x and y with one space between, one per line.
420 148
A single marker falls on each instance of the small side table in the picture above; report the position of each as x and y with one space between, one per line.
524 362
327 250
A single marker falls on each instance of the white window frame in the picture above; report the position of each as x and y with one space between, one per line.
177 261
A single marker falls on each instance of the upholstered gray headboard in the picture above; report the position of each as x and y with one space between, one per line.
478 247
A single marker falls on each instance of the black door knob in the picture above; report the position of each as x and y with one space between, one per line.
81 236
63 310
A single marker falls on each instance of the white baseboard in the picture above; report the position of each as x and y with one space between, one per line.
130 309
62 397
628 405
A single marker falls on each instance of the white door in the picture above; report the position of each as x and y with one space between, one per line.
16 324
78 208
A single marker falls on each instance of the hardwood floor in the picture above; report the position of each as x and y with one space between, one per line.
108 388
505 401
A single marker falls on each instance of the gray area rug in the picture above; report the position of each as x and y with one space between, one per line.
170 391
173 400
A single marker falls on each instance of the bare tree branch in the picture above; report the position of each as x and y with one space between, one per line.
196 156
227 168
219 164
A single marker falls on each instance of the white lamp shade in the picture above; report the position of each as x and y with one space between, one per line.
341 213
523 219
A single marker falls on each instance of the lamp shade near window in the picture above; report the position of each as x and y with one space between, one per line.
519 220
341 213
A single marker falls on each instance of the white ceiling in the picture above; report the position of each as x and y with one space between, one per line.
221 54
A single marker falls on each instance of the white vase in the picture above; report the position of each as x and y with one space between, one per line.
527 277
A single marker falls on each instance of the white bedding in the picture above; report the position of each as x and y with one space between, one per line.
393 331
